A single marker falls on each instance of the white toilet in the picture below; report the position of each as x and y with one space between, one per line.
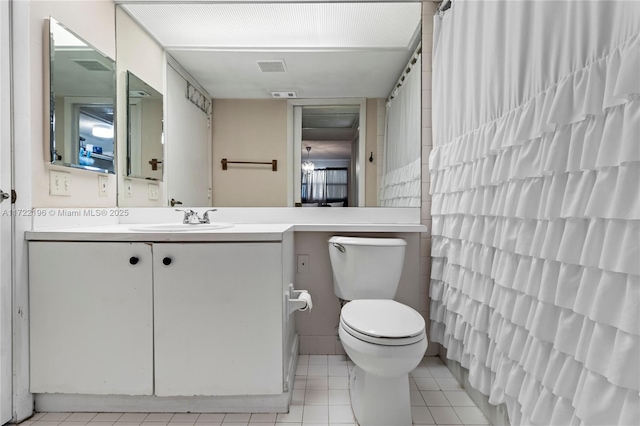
385 339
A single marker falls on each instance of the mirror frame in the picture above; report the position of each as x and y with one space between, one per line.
50 106
129 144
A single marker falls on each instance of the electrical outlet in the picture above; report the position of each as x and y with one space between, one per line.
128 188
59 183
154 192
103 186
303 264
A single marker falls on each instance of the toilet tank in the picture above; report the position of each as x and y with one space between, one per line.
366 268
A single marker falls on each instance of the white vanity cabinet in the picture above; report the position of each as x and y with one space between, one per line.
218 319
91 318
163 319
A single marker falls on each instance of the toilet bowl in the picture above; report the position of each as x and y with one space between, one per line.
386 341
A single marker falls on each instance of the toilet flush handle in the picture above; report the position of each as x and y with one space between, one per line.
340 247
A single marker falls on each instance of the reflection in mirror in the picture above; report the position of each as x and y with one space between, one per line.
145 138
82 90
329 145
259 61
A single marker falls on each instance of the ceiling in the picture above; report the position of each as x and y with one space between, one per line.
330 50
329 131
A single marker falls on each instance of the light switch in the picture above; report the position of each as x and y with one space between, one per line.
154 192
103 186
59 183
128 188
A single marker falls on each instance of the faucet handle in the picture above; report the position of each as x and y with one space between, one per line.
205 217
190 216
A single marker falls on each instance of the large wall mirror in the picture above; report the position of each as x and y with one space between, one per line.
268 66
82 93
145 130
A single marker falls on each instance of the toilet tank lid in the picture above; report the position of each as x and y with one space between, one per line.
356 241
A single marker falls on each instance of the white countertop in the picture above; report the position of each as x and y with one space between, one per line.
239 232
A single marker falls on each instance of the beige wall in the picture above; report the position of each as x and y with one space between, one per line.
256 130
318 328
249 130
95 22
140 54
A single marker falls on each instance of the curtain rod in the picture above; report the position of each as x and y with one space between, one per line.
407 70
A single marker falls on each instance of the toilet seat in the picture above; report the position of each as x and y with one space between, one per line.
382 322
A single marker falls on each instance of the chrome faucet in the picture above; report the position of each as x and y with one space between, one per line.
191 216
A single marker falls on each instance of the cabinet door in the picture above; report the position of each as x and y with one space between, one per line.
218 318
91 318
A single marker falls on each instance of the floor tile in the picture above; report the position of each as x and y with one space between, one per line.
303 359
263 418
471 415
301 369
46 423
293 416
459 399
210 418
431 361
317 382
421 416
82 417
236 418
262 424
339 397
318 359
300 382
110 417
341 414
132 417
185 418
317 370
54 417
316 397
421 371
158 423
425 383
435 399
445 415
36 416
338 383
440 371
412 384
337 359
133 424
338 370
315 413
448 384
297 397
92 423
66 423
158 417
416 398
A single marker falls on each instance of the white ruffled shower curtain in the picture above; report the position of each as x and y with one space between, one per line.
535 183
400 183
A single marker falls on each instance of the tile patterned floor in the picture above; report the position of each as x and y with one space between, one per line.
320 398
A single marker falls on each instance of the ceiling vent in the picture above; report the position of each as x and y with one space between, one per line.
282 95
91 64
275 65
138 94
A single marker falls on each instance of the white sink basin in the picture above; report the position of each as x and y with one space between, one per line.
180 227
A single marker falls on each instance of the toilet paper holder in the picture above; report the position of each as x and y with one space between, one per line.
295 303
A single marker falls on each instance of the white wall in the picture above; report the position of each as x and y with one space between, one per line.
140 54
94 21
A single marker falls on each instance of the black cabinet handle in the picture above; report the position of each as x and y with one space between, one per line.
134 260
166 261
